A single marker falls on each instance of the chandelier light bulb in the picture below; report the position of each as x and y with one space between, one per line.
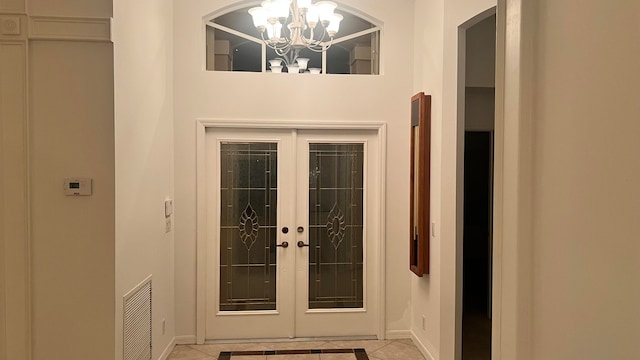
275 62
269 9
274 32
334 25
259 15
325 11
303 63
281 8
312 16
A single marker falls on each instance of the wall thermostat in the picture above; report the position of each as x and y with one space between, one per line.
77 187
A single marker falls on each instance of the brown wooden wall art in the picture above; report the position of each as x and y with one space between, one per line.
420 182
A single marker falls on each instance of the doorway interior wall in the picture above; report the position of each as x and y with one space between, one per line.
294 315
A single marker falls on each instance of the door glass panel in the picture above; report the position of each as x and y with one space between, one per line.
248 203
336 225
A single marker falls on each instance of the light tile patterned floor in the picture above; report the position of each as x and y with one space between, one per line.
376 349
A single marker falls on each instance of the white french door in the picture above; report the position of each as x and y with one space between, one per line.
292 243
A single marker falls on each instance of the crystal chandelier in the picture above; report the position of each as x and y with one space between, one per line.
291 26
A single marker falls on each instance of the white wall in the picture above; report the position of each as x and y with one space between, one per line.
428 69
224 95
72 238
143 51
435 296
586 199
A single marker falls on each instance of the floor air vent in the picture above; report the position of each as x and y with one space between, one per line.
137 322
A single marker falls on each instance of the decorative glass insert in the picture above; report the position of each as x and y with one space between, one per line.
234 44
336 220
248 205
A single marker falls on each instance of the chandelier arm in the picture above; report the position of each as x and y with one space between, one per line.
280 50
324 35
317 45
322 49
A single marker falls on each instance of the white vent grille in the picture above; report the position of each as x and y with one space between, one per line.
137 322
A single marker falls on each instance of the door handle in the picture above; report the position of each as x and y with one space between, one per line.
285 244
302 244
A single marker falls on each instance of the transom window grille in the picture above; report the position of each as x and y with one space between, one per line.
234 44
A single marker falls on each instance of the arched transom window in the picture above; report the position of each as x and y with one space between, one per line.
233 43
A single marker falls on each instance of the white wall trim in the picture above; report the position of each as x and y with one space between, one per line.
290 124
513 166
12 6
185 340
201 127
382 263
201 231
498 183
14 195
167 351
69 28
421 347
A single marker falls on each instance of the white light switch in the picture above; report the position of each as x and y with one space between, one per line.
77 187
168 207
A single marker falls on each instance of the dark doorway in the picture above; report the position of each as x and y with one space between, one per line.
477 246
476 283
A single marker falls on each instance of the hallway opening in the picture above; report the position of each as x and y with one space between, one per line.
477 107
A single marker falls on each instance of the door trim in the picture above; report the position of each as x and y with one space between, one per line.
201 228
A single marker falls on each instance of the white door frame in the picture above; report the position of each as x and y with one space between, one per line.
512 224
201 224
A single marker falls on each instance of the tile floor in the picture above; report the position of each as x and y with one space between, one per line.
376 350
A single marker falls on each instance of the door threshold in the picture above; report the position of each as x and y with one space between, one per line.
285 340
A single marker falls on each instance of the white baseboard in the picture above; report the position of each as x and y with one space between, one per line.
397 334
167 351
185 340
421 347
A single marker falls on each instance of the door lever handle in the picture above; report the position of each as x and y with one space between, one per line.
285 244
302 244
